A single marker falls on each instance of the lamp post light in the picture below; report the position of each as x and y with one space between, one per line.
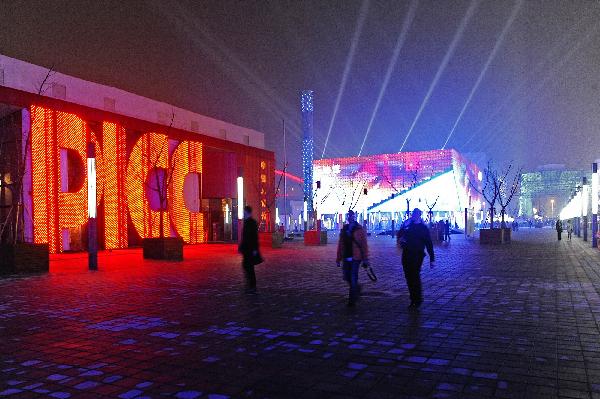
240 203
577 222
584 207
92 226
305 215
552 204
595 205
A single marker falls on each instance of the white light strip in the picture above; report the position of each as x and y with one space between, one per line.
91 172
305 211
595 193
240 197
585 200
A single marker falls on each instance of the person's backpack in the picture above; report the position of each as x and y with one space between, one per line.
401 235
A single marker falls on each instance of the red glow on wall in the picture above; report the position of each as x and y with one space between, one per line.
187 158
150 151
54 210
112 166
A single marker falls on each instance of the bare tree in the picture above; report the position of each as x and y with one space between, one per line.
490 190
506 192
389 181
430 207
162 179
14 150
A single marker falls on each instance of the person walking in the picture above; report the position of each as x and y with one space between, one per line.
440 230
352 250
249 249
569 229
447 231
559 229
414 238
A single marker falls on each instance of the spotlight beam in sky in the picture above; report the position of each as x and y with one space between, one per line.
410 15
364 9
231 64
535 71
497 45
457 36
533 94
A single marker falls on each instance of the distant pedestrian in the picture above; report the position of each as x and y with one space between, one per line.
413 238
352 250
559 229
249 249
447 231
440 230
569 229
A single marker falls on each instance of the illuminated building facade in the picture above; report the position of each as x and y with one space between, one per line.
548 190
380 186
153 178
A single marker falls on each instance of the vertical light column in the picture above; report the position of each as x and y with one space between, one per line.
595 205
306 106
91 194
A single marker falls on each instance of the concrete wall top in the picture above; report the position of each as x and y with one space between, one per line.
28 77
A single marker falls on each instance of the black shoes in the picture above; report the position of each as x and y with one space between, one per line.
415 304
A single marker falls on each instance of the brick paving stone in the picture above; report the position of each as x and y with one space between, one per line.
513 321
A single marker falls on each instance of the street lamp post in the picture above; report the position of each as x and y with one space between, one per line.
92 227
240 203
584 207
552 204
595 205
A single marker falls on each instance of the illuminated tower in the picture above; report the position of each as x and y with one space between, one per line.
306 106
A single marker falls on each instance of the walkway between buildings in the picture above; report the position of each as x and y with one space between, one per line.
511 321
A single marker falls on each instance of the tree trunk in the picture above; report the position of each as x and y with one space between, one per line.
161 222
161 225
491 217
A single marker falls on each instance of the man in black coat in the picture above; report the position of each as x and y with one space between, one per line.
249 249
413 239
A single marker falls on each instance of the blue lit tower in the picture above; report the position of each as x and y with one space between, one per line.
306 105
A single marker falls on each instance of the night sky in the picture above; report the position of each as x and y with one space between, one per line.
246 61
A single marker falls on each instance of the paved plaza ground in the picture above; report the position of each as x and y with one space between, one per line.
514 321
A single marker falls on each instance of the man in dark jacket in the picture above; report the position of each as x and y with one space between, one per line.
559 228
413 239
249 249
352 250
447 231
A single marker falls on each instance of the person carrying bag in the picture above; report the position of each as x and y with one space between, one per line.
352 251
249 249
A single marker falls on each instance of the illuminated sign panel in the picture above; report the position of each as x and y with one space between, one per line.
122 186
